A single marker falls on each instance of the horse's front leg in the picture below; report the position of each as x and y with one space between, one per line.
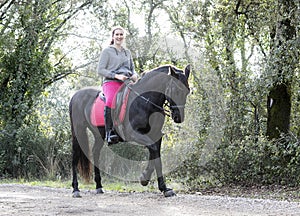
156 160
146 175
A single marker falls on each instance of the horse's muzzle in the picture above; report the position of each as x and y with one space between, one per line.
178 116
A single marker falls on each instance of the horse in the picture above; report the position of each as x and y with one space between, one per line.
160 92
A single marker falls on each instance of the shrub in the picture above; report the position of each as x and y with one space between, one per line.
263 162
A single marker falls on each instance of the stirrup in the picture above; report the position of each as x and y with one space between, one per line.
112 138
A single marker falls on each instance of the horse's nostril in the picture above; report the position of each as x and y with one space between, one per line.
177 119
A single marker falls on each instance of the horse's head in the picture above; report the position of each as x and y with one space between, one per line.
177 91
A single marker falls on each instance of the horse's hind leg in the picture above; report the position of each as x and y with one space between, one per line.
97 177
96 154
81 160
75 160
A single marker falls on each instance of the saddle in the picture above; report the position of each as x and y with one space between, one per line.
119 108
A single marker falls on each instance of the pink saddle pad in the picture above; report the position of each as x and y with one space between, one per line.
97 112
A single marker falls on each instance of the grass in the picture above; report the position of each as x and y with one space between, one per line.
259 192
44 183
108 185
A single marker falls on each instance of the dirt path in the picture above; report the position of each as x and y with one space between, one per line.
29 200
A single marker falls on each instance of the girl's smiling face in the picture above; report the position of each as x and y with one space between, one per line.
118 37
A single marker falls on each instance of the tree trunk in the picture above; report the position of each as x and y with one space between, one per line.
279 111
285 57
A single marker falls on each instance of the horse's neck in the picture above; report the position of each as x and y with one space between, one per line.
153 82
151 88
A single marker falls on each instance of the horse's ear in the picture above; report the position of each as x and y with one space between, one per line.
187 71
172 72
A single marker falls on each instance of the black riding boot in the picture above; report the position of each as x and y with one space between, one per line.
111 136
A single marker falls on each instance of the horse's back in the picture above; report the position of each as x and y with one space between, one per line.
81 104
85 94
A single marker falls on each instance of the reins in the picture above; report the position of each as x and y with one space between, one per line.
147 100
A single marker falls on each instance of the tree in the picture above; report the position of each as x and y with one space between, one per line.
284 59
253 48
29 62
29 31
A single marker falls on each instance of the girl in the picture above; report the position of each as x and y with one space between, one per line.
115 65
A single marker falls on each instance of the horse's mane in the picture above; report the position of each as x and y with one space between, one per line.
160 69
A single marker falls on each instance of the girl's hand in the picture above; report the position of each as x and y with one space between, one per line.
134 77
121 77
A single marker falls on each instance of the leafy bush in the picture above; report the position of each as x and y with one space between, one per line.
30 153
263 162
248 162
40 147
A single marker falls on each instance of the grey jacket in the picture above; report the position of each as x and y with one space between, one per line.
113 61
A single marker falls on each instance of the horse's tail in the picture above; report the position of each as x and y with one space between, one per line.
81 151
84 164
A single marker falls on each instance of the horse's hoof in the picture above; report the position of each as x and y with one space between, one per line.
143 181
76 194
169 193
99 191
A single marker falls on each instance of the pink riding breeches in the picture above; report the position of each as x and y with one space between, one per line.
110 89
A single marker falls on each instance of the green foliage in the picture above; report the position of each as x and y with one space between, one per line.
131 152
31 152
245 163
41 147
239 44
237 55
29 31
257 163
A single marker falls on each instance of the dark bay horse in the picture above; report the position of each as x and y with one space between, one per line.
142 122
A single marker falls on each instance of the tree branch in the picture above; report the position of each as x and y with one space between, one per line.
66 73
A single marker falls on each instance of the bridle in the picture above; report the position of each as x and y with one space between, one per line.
166 104
170 92
147 100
